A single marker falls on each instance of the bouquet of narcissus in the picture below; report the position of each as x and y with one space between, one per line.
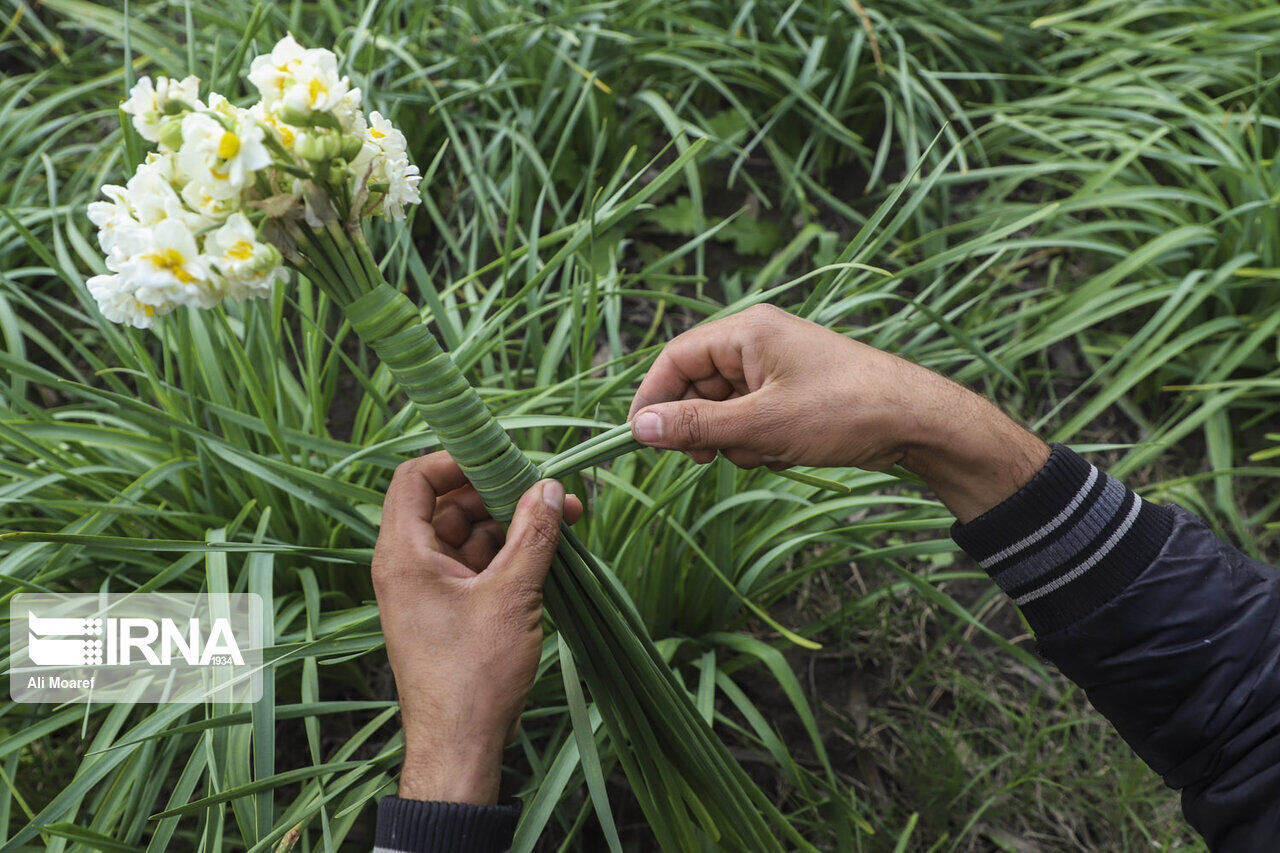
234 196
187 228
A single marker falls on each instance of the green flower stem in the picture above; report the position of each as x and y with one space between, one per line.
389 322
333 281
372 272
340 258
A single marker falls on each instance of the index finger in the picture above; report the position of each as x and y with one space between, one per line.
707 360
411 496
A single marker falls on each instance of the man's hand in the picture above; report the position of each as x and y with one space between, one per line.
768 388
461 606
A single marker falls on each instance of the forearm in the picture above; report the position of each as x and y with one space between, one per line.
1185 663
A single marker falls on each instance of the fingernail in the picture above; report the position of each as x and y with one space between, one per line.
766 459
553 495
648 427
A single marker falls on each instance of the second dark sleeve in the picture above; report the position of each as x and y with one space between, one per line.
1173 634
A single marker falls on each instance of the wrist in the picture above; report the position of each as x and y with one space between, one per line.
973 456
463 770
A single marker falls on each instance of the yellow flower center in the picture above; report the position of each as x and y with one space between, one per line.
282 81
228 145
241 251
222 176
148 310
171 260
316 89
375 133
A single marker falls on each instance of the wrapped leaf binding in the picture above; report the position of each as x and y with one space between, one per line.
388 322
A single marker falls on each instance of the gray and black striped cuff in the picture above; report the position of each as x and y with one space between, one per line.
412 826
1067 543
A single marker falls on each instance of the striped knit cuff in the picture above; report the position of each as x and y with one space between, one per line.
1067 543
413 826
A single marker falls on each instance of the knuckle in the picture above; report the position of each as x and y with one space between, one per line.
394 562
690 425
385 573
406 468
523 598
544 532
763 313
683 344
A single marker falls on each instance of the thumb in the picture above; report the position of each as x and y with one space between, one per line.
696 424
532 536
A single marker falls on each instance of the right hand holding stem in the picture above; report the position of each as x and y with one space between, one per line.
765 387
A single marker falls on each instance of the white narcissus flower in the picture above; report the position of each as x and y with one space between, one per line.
318 86
114 218
221 158
249 266
117 302
272 73
294 77
151 197
164 267
210 206
402 189
283 132
148 103
385 156
179 233
383 134
349 114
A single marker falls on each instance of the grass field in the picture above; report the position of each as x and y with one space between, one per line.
1071 207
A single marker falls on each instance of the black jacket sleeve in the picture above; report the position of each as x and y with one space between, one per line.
412 826
1173 634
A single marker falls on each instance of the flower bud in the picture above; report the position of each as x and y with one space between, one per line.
295 117
338 171
317 147
351 145
170 134
308 118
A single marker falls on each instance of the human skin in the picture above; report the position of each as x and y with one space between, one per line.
461 601
765 387
461 608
